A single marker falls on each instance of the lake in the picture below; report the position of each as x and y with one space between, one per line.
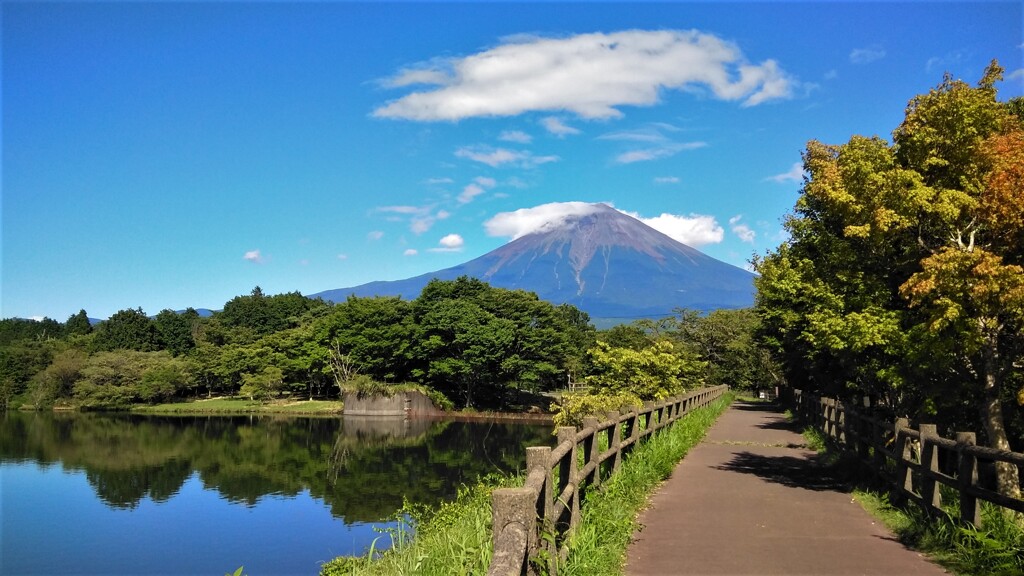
130 494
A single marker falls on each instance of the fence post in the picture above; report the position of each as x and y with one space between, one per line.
591 450
539 457
513 518
616 440
930 495
967 477
568 473
865 431
901 449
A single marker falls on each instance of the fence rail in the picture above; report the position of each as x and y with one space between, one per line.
532 523
914 462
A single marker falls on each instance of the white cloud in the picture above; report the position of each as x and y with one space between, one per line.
438 181
442 214
867 55
342 256
795 174
657 152
744 232
450 243
693 230
497 157
37 318
1017 75
590 75
253 256
666 180
479 185
555 126
375 235
470 192
410 252
831 74
493 157
516 136
541 218
400 209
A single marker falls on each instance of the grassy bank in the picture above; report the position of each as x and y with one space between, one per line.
456 539
244 406
996 549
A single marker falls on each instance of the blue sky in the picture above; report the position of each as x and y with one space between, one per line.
166 155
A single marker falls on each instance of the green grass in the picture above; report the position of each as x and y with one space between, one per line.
996 550
243 406
609 516
454 538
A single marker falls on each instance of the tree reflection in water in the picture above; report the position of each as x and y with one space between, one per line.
361 467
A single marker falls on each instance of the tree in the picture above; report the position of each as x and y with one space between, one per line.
174 331
903 276
127 330
78 324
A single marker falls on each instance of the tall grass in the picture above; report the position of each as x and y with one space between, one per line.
997 549
454 538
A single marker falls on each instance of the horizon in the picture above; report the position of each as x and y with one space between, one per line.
167 156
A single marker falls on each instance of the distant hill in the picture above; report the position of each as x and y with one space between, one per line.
606 263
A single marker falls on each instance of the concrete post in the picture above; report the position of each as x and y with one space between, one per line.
930 465
967 477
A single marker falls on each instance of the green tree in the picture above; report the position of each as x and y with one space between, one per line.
902 276
78 324
175 331
127 330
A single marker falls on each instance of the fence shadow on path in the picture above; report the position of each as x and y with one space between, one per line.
792 471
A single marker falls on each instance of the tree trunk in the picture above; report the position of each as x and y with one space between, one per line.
1007 475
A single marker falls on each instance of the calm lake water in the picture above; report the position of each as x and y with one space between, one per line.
126 494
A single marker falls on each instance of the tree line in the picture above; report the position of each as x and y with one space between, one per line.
478 345
903 278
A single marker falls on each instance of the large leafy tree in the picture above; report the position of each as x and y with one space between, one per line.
902 279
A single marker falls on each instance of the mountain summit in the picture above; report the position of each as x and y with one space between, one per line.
602 261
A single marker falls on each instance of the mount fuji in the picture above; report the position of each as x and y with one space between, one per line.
602 261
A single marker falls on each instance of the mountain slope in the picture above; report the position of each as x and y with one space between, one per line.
600 260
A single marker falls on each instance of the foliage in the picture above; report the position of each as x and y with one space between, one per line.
902 280
462 340
127 330
654 373
572 408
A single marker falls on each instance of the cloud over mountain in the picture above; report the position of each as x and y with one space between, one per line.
692 230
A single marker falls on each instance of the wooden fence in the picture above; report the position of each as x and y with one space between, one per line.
913 462
532 523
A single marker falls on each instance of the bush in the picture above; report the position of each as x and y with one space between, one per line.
575 407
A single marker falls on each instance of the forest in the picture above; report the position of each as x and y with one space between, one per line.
478 346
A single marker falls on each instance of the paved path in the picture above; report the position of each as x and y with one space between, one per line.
751 500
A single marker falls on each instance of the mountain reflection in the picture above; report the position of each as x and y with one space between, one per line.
362 468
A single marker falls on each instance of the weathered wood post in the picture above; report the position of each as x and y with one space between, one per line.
967 477
865 431
901 449
591 451
539 458
568 473
512 512
616 440
930 494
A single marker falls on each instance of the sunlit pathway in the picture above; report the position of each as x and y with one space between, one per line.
750 500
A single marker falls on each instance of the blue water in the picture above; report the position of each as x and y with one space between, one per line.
120 494
54 524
